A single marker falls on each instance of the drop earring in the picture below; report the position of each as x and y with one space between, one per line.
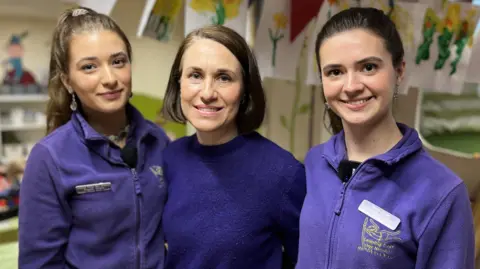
327 106
73 104
395 93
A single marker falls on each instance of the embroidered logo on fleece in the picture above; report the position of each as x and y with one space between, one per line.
158 172
376 241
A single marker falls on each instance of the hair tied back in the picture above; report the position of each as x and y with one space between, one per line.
79 12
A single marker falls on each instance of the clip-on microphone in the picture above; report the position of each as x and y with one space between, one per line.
345 170
129 155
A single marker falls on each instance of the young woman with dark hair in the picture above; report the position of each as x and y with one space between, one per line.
375 198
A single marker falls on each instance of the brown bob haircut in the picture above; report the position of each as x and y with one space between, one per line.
58 107
252 107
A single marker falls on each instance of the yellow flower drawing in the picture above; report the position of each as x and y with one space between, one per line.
168 8
223 9
280 21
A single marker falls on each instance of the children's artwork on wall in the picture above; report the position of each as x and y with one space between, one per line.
444 51
277 56
230 13
18 79
159 19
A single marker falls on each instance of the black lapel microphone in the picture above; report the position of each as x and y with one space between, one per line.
129 155
344 170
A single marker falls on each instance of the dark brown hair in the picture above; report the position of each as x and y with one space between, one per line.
252 108
72 21
370 19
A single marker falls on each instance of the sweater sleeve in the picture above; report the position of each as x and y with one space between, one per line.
43 220
448 240
291 202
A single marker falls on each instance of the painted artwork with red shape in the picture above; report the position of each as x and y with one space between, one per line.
26 79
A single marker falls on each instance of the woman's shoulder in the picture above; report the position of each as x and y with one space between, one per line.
63 135
266 146
272 155
178 145
436 176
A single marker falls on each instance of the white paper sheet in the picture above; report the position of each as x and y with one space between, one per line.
277 57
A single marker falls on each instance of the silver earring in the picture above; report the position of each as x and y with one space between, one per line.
395 93
73 105
327 106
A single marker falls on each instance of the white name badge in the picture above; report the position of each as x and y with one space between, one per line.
379 214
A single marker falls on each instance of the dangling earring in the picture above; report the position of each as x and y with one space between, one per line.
327 106
73 104
395 93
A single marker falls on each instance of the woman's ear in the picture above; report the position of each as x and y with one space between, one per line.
66 83
400 72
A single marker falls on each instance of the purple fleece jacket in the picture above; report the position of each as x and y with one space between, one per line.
432 203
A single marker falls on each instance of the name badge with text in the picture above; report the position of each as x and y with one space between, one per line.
96 187
379 214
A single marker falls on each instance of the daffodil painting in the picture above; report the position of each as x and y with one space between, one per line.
280 21
221 10
161 18
231 13
277 56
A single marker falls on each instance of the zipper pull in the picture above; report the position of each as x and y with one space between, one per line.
339 205
138 189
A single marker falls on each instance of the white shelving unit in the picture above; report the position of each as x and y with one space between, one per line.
27 133
23 98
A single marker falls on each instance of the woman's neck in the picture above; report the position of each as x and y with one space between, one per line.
217 137
364 142
107 124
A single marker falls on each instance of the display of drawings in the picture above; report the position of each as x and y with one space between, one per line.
159 18
231 13
277 57
444 51
438 43
438 38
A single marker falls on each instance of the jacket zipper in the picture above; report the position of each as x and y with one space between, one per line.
137 215
337 211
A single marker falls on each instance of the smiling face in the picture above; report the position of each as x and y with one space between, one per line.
210 86
99 71
358 77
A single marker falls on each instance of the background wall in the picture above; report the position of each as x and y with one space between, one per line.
152 61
